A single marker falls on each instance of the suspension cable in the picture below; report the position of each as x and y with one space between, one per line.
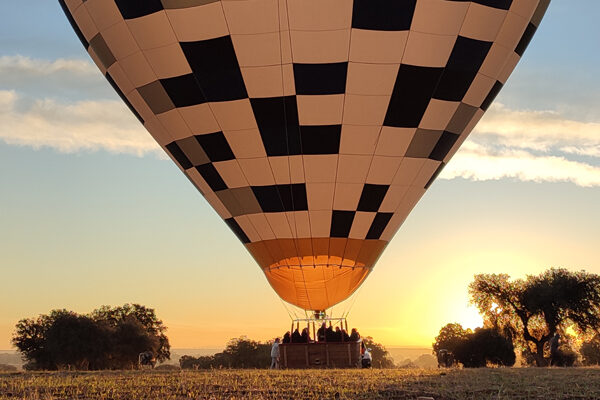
286 308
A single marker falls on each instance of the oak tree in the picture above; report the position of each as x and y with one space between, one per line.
533 309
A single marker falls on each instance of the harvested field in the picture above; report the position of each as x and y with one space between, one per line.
525 383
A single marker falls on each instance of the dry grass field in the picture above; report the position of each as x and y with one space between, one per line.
530 383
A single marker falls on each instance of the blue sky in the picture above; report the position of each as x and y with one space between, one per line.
91 213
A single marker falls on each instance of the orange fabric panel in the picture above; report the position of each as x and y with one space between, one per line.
321 250
319 273
351 252
305 250
315 293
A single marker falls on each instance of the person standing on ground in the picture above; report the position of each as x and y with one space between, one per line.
554 343
275 354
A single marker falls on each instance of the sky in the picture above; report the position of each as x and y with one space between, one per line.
92 213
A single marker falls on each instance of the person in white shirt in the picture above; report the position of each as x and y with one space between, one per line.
275 354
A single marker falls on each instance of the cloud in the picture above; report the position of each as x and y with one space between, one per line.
479 163
67 79
588 151
535 146
49 104
536 130
21 65
71 127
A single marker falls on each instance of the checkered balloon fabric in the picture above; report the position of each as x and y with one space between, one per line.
312 127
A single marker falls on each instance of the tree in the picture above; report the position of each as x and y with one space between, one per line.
407 364
154 327
426 361
381 358
239 353
590 351
450 337
202 362
129 339
475 349
61 339
532 310
245 353
565 358
29 338
76 341
485 346
107 338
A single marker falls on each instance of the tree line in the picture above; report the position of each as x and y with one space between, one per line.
114 337
107 338
527 315
243 352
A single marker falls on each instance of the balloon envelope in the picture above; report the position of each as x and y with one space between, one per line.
312 127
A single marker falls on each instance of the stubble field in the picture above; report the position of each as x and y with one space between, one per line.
526 383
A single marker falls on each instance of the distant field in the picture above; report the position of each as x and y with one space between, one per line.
526 383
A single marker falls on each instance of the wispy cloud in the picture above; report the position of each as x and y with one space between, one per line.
588 151
68 79
536 146
71 127
536 130
480 163
20 65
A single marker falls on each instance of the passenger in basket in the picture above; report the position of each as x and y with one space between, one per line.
354 335
296 337
305 336
287 338
322 333
330 334
345 337
338 334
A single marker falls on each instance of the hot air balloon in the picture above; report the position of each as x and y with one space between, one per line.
312 127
